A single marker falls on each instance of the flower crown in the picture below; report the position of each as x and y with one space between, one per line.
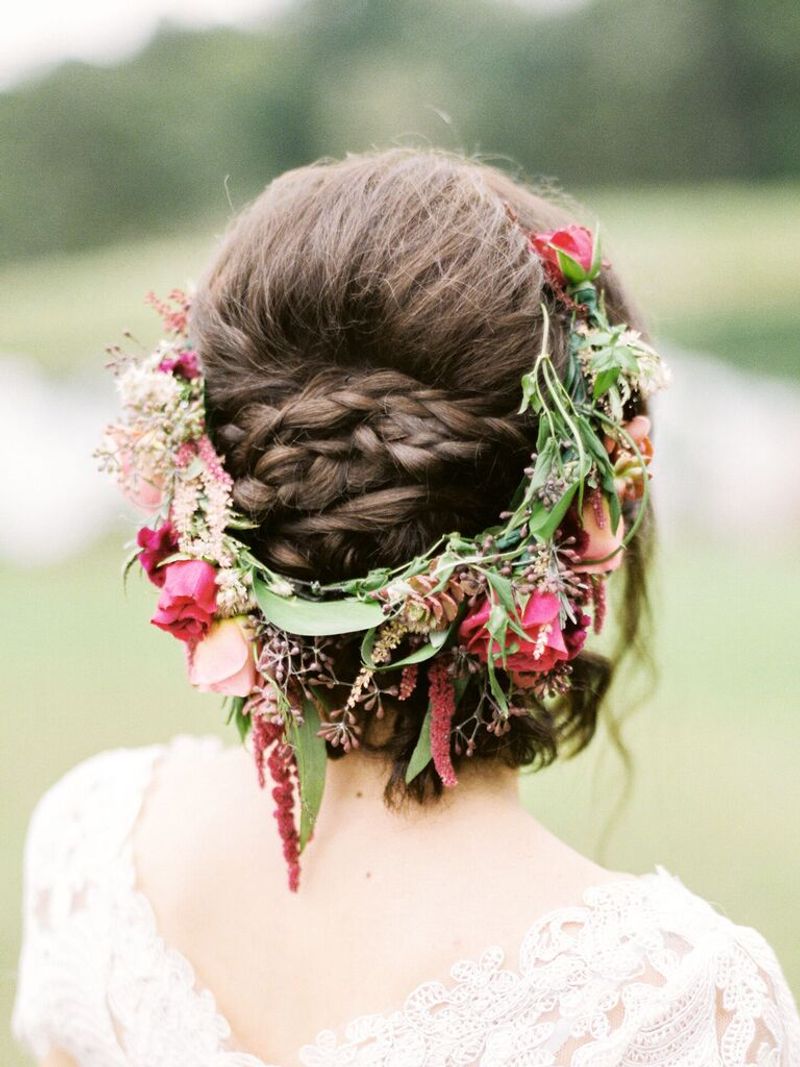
503 613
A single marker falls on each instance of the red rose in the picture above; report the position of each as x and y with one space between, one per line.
571 255
156 545
188 599
540 620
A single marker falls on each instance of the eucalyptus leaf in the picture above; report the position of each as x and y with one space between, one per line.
421 756
312 761
310 618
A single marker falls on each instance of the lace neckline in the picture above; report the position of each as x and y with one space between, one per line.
329 1042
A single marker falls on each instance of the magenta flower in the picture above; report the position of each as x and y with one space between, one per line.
188 599
182 365
156 545
541 651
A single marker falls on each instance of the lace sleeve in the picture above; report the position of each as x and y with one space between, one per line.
73 837
40 906
756 1019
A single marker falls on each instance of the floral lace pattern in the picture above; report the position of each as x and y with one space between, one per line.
642 974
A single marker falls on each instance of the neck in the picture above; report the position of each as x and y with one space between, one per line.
354 798
358 834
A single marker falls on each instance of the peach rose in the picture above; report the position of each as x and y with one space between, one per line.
602 540
223 661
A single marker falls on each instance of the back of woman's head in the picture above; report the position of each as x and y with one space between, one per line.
363 332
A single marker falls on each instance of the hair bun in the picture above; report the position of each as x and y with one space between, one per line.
341 471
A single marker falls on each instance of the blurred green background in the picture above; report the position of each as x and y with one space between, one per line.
675 123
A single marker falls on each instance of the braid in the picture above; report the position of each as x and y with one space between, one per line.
337 472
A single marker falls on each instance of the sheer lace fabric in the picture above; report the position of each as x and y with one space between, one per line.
642 974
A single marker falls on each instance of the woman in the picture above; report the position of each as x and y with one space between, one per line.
389 466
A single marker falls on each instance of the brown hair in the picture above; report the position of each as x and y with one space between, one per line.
363 331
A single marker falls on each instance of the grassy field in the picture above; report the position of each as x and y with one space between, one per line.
715 791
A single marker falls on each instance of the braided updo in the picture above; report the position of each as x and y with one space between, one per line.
363 331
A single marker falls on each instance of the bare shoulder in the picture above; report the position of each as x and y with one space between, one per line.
204 824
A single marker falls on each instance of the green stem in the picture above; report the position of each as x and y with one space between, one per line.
555 388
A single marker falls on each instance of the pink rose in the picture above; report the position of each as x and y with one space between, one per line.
188 599
540 620
223 661
599 540
570 255
156 545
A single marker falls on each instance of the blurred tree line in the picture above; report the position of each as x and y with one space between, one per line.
611 92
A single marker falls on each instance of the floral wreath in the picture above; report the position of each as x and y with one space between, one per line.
504 612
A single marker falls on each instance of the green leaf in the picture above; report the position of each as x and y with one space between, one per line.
604 380
309 618
243 723
614 506
544 523
436 640
497 690
571 268
546 464
504 589
312 761
421 756
531 395
496 626
235 708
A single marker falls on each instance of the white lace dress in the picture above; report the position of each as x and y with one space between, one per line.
642 973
